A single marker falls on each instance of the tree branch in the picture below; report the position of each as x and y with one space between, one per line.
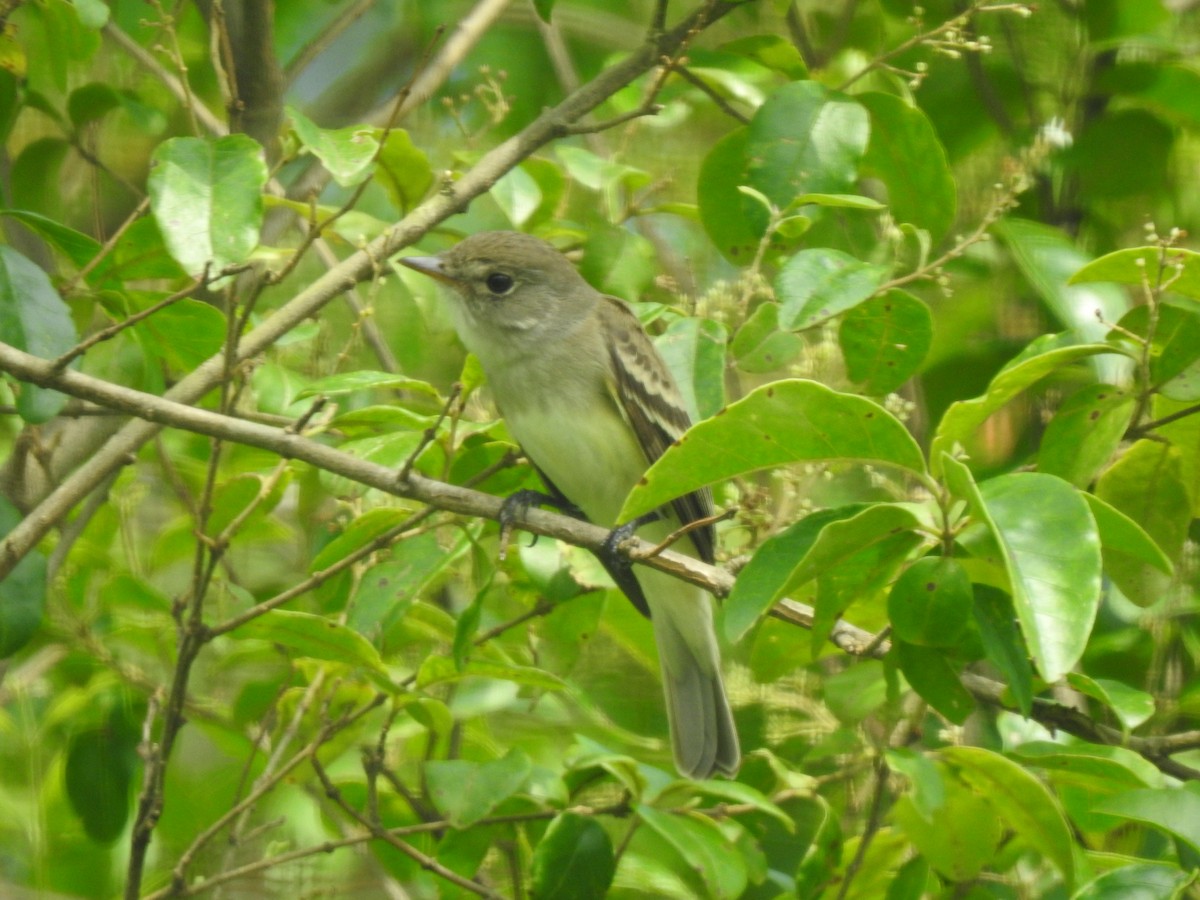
847 637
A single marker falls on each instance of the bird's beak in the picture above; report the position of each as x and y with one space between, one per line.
428 265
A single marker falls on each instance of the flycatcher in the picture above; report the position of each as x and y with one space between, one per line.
592 404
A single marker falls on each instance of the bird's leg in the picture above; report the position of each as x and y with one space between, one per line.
619 567
515 506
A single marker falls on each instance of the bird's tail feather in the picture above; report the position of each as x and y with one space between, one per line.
703 734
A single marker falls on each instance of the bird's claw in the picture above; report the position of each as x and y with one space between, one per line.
619 566
515 506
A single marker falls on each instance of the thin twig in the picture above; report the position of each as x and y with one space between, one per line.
113 330
674 536
169 80
1141 430
378 831
325 38
720 102
107 247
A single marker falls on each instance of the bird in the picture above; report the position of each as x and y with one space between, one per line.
592 404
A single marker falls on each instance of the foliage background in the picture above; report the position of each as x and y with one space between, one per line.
236 660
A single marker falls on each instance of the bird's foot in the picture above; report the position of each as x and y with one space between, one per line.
619 566
515 506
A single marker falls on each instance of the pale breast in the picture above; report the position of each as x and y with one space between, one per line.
581 443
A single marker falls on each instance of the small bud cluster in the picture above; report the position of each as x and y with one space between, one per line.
490 94
951 39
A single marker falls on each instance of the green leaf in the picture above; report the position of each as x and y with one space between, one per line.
599 173
928 793
574 860
387 589
857 692
1134 264
1174 348
403 169
1098 768
1139 881
772 51
1047 258
92 13
906 155
805 139
230 499
36 175
33 318
186 333
91 102
861 573
544 9
734 222
958 854
1124 154
963 419
822 842
736 792
75 245
704 848
1120 536
98 772
910 881
1020 800
1173 810
348 154
1146 485
1184 435
467 791
694 351
840 201
818 284
362 531
835 546
365 380
930 673
206 196
442 670
930 605
780 423
759 345
22 591
141 252
1085 433
1002 643
312 636
518 195
885 339
1133 707
762 579
1051 551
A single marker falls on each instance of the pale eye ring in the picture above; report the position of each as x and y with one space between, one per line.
499 283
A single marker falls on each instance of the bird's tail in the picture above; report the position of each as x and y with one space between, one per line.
703 735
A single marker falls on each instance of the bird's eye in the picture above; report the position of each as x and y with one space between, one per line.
499 283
